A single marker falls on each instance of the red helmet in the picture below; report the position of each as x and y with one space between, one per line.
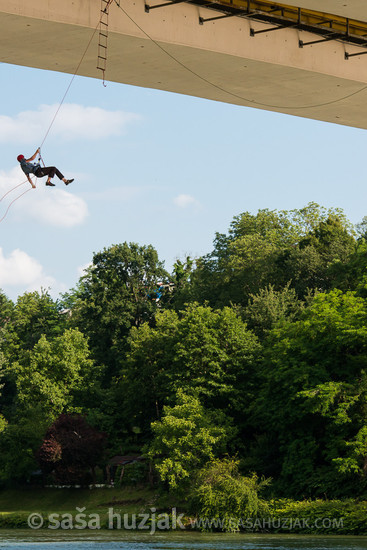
20 157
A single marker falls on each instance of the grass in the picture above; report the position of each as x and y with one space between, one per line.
17 504
128 499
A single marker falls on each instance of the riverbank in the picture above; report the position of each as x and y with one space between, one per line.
132 508
17 504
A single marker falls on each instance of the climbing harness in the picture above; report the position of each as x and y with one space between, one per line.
40 160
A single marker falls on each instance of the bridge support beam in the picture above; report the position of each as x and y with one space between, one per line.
168 49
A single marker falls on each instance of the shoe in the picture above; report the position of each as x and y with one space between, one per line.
50 184
69 181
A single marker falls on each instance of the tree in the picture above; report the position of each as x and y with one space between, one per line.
3 421
52 373
71 449
222 498
35 314
185 439
54 377
352 275
211 353
273 248
115 295
181 284
6 310
312 407
311 265
269 306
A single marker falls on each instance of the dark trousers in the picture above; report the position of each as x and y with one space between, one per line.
48 171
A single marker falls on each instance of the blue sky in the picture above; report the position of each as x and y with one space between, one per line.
153 168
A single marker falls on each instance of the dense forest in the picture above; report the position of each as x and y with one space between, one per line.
249 361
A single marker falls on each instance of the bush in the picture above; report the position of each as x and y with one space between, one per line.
337 517
222 497
71 450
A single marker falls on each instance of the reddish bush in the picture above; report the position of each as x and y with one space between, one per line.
71 449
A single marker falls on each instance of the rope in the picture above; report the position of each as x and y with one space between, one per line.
21 195
40 159
12 189
227 91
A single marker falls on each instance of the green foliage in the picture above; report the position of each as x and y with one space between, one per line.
52 372
274 248
269 307
221 493
331 517
6 310
35 314
314 399
115 295
185 438
53 377
257 349
211 353
18 443
3 423
313 263
181 280
352 274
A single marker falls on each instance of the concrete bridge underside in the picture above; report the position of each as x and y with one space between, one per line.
168 49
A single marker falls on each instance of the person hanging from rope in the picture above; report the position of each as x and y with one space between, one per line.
35 168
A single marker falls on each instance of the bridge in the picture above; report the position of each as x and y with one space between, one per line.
290 58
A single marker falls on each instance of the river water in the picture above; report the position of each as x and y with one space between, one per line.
16 539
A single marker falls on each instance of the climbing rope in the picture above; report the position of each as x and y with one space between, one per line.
16 198
12 189
40 159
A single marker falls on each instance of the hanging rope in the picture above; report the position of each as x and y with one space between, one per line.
13 201
40 159
12 189
220 88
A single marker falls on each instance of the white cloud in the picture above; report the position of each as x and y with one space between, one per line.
20 273
72 121
50 206
8 180
55 207
184 201
20 269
